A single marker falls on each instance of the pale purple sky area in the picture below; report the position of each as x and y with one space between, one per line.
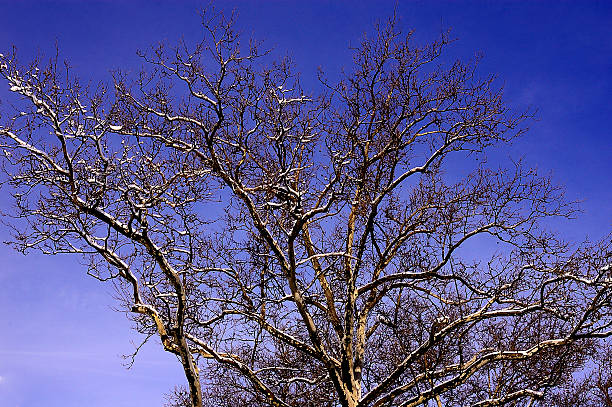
60 341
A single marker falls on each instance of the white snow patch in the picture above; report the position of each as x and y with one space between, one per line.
15 88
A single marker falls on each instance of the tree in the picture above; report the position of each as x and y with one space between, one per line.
351 248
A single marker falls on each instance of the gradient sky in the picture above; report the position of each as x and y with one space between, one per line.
60 341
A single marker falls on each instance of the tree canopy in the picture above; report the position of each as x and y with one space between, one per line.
347 246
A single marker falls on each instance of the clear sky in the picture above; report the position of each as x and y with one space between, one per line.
60 341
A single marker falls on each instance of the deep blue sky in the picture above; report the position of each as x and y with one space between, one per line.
60 341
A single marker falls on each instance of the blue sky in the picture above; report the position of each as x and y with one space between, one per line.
61 342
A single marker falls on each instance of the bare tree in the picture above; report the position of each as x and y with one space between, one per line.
350 248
